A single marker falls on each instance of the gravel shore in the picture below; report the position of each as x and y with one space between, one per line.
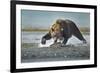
55 52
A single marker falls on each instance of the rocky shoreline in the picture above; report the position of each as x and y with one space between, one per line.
56 52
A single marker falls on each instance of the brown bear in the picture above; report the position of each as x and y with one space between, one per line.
63 30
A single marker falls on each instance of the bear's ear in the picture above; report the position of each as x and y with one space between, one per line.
58 22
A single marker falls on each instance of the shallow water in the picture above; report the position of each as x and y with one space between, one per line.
35 38
33 51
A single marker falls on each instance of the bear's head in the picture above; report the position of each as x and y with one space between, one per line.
56 30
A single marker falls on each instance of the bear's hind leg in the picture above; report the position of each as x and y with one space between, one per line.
76 32
79 36
65 41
